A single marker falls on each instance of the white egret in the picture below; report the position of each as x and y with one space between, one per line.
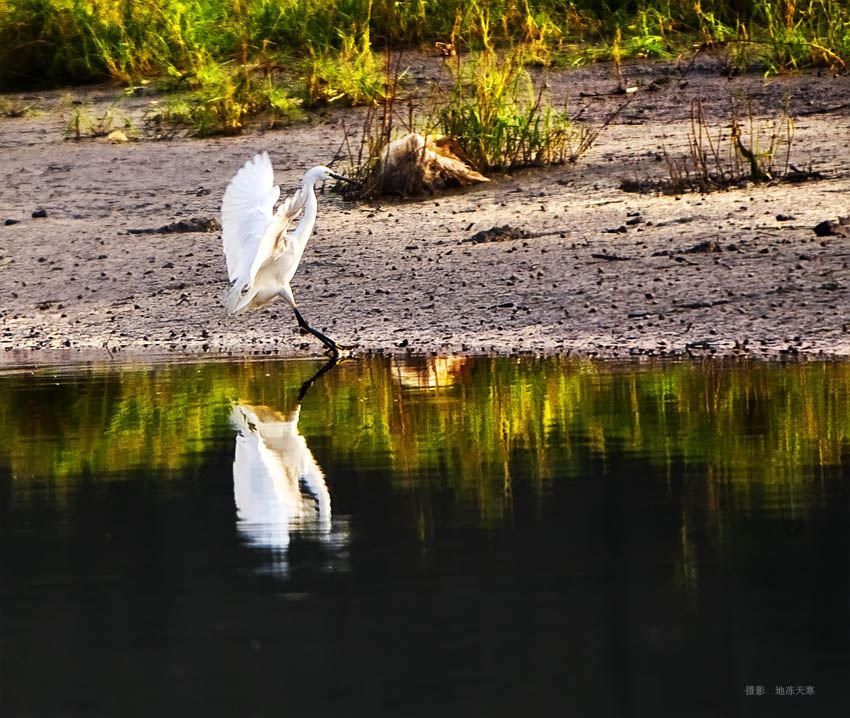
262 253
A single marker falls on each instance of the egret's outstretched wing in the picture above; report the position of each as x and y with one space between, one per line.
246 211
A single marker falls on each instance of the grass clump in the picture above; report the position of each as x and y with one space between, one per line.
85 122
492 119
500 120
17 108
742 151
218 99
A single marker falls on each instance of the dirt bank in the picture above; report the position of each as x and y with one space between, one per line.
401 277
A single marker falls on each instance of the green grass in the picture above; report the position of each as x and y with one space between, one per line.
495 118
17 108
320 51
500 119
218 98
350 74
68 41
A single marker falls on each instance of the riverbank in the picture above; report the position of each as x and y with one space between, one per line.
591 270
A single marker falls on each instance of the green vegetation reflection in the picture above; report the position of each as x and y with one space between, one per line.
749 429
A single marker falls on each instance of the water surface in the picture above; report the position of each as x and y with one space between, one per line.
404 538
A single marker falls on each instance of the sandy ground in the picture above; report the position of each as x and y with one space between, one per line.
399 277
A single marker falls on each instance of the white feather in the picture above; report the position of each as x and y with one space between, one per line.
246 212
275 241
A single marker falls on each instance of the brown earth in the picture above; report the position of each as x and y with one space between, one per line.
399 276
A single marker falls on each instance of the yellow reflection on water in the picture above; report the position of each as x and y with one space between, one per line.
764 432
431 372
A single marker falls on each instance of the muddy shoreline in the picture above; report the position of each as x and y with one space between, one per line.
597 272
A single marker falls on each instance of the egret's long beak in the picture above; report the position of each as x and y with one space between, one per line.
344 179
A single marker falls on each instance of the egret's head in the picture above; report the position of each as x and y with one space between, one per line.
320 174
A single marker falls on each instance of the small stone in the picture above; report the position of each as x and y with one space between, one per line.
11 221
505 233
705 247
38 213
831 228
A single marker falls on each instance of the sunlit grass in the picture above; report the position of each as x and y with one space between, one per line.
498 116
325 47
351 74
84 121
493 117
219 99
75 40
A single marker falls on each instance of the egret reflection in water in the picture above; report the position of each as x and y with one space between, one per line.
278 487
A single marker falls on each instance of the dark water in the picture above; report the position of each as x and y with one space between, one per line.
450 537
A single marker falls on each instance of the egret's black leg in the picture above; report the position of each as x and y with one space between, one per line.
305 387
327 341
